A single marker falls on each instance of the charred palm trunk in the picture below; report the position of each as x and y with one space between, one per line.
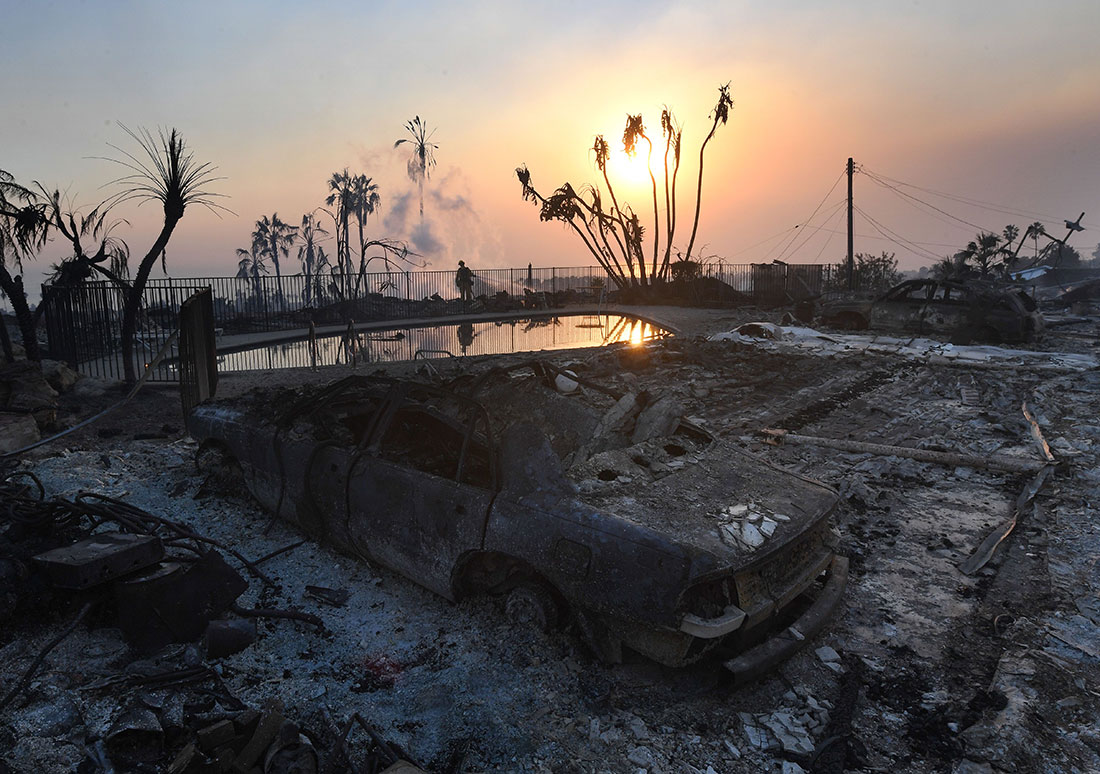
362 258
699 190
172 216
5 342
308 270
278 272
656 215
13 289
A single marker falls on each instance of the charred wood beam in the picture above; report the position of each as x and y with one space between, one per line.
954 459
984 552
293 615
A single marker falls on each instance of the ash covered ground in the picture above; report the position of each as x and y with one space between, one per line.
924 669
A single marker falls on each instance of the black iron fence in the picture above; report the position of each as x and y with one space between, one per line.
84 321
272 303
84 328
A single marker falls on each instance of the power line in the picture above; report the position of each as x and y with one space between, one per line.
828 241
762 241
905 195
991 206
812 214
897 239
829 215
914 241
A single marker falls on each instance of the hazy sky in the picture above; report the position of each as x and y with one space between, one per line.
993 101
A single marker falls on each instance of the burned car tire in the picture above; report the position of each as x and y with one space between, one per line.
987 335
532 605
850 321
605 645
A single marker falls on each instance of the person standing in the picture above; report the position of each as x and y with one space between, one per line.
464 281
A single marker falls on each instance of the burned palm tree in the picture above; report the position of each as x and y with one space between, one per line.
983 252
164 170
309 252
1035 230
673 134
111 256
720 114
364 202
24 228
273 238
611 231
634 130
341 199
422 160
251 267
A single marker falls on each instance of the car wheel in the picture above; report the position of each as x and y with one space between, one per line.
850 321
988 335
605 646
532 605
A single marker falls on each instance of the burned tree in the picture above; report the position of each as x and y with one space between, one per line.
165 172
310 253
422 159
24 226
271 238
612 232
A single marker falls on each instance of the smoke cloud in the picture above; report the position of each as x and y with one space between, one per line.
451 229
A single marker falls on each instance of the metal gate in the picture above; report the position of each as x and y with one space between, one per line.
198 358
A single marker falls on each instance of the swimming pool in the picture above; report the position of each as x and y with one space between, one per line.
454 340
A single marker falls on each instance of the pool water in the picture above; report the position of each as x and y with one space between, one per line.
484 338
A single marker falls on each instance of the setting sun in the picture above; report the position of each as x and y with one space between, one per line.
631 171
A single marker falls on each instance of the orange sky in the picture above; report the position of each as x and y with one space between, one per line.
992 101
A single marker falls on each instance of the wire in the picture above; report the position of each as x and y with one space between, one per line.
897 239
832 212
905 196
828 241
812 214
762 241
991 206
953 245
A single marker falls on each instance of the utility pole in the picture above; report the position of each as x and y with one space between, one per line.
851 256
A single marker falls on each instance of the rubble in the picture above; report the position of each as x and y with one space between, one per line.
795 338
941 671
17 431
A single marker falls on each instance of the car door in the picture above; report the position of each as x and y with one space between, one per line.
902 308
948 312
419 497
326 457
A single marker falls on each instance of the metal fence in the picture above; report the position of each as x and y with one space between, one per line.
272 303
83 322
84 328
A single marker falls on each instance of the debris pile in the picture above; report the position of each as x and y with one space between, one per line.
941 671
748 526
165 707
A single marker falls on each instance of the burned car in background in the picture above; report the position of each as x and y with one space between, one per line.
961 311
601 508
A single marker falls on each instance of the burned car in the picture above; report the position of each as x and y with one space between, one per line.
605 509
961 311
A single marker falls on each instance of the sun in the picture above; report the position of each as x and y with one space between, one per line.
629 171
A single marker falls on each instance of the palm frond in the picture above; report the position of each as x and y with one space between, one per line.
167 172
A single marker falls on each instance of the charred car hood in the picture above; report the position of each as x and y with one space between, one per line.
707 503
